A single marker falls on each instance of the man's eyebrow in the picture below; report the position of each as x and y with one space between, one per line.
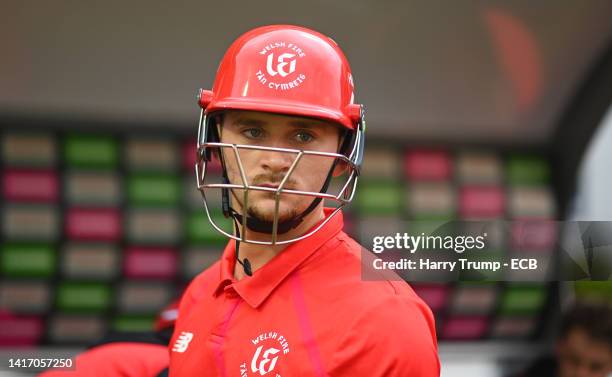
304 123
297 123
244 121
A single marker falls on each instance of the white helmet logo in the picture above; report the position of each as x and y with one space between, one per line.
281 64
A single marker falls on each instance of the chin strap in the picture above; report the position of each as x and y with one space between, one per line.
246 265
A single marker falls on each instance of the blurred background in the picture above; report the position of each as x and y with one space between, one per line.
495 110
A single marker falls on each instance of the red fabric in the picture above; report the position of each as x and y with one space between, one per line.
167 316
118 359
307 312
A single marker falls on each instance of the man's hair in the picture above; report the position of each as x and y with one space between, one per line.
593 317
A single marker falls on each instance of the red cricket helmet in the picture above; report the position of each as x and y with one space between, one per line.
285 69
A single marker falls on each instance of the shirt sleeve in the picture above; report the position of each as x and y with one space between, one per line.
189 298
117 359
395 338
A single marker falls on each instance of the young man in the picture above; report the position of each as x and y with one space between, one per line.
287 297
584 345
584 348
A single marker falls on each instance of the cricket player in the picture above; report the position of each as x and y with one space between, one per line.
287 296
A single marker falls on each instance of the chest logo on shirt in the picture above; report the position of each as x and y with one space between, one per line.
270 347
182 342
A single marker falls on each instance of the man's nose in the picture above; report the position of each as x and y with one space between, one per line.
276 162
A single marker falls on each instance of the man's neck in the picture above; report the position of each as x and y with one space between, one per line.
258 255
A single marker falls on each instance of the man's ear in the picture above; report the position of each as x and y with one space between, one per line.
341 166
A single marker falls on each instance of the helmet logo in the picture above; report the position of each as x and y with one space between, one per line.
281 61
280 67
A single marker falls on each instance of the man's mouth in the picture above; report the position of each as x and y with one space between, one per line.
273 182
287 186
269 185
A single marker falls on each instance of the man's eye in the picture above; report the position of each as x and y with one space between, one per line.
304 137
253 133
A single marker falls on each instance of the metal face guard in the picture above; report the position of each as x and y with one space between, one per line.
204 158
343 197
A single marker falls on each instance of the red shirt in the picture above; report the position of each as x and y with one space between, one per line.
117 360
307 312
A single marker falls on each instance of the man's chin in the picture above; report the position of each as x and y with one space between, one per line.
267 214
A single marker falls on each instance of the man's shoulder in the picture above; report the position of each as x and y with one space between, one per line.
387 300
202 283
368 290
380 312
354 261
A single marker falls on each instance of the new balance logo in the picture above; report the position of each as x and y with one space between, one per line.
182 342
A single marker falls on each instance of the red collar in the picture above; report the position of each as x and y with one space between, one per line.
255 289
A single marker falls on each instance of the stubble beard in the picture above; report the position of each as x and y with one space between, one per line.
268 215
